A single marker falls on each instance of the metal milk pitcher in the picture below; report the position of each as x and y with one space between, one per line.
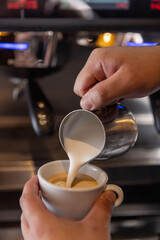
120 128
112 129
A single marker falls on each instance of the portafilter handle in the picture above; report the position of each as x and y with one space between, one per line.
40 110
155 103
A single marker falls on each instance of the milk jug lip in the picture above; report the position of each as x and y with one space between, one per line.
82 110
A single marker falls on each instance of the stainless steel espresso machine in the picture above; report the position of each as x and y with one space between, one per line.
43 46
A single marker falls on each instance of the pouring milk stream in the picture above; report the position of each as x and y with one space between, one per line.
82 135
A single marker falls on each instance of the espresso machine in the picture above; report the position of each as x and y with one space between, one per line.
43 46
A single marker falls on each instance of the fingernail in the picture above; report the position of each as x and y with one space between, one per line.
86 103
110 196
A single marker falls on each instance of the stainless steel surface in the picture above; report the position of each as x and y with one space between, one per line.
119 127
121 131
146 228
13 175
11 233
40 53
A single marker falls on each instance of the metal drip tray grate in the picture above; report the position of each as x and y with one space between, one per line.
13 175
11 233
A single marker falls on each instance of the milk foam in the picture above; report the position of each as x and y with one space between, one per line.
79 153
83 140
81 180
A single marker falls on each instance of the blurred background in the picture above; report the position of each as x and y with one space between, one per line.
43 46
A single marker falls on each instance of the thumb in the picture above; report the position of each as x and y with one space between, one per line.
102 209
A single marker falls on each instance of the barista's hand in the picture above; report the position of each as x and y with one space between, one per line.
38 223
112 74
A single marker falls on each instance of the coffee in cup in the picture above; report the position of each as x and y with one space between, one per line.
81 180
73 203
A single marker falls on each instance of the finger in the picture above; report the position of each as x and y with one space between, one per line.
105 92
30 195
31 203
98 96
83 82
102 208
91 73
24 226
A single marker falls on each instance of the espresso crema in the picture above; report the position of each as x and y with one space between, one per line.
81 180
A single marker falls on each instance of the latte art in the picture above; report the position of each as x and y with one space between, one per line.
81 180
60 184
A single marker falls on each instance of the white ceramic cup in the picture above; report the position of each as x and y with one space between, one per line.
73 203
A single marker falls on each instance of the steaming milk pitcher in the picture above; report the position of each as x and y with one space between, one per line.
118 130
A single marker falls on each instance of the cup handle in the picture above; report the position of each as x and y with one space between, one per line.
118 191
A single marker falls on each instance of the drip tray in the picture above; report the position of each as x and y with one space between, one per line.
13 175
11 233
